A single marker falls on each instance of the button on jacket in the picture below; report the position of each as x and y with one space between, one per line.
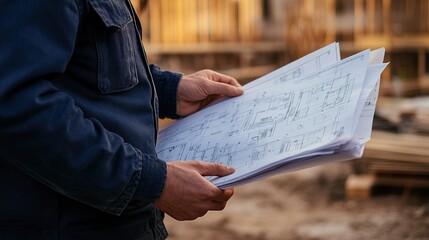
78 122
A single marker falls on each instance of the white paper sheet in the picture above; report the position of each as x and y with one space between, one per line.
312 111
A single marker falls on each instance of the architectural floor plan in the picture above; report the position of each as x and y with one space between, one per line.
302 110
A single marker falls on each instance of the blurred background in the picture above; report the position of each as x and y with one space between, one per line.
383 195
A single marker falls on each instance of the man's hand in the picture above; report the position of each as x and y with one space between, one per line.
187 195
199 89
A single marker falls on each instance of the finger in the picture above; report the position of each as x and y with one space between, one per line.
213 169
219 77
224 196
228 192
218 206
192 215
223 89
221 202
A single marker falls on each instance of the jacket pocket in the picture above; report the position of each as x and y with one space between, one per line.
115 41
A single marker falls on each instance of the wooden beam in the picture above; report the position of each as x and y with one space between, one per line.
421 68
211 48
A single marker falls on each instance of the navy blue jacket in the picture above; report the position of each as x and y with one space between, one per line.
78 122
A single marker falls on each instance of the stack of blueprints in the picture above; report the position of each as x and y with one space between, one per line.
315 110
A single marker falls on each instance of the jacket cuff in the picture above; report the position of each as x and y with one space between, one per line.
166 84
151 181
145 185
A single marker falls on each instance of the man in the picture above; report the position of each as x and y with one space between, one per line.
78 124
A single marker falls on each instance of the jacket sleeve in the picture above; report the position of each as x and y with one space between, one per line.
42 130
166 84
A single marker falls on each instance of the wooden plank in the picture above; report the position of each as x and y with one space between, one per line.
224 20
391 144
164 23
234 21
220 19
359 18
417 154
191 21
370 19
172 16
211 48
243 20
214 23
400 160
191 12
410 17
228 21
404 142
180 20
387 19
401 180
403 139
359 186
203 21
400 153
395 156
257 20
330 21
396 166
155 24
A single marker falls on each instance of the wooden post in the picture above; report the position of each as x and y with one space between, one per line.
155 22
203 20
370 20
330 21
257 20
358 19
179 20
387 20
164 6
243 20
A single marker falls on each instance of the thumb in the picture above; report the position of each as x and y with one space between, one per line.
223 89
215 169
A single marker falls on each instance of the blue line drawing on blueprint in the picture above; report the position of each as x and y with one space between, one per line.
272 122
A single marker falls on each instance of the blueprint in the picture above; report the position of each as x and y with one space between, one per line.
306 65
314 110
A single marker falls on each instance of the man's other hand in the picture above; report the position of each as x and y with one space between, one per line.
199 89
187 195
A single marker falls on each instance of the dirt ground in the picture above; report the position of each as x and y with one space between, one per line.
311 204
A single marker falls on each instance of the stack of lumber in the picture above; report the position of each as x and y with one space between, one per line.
397 153
410 115
394 160
419 118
